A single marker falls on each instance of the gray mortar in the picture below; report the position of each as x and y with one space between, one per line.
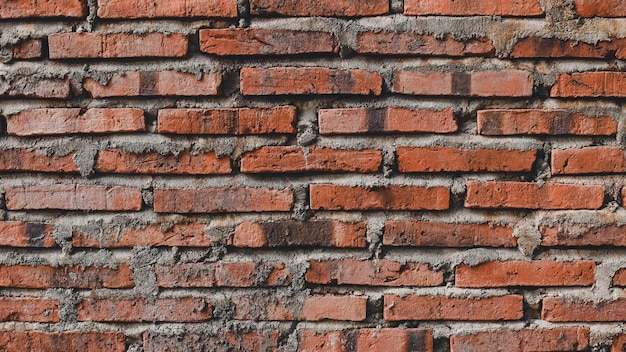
143 263
528 236
62 235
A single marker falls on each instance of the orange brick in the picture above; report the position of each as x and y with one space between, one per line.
26 234
526 195
179 235
157 83
223 274
185 163
28 49
326 8
48 8
620 278
335 197
532 47
309 80
600 8
29 309
371 273
524 340
556 309
46 276
590 84
220 341
258 41
371 340
67 341
449 159
27 159
167 8
410 43
590 160
182 309
583 235
523 8
74 197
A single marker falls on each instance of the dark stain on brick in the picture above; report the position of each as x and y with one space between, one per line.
461 83
375 119
298 233
36 234
562 123
491 124
147 84
341 82
349 338
417 340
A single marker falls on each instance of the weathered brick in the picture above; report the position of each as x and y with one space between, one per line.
28 49
311 308
227 121
221 341
589 160
543 122
372 273
526 195
335 197
181 309
300 233
524 340
275 159
223 274
411 43
414 307
522 8
555 309
619 343
48 8
179 235
438 234
27 159
73 276
116 45
155 83
386 120
372 340
600 8
258 41
184 163
37 122
26 234
167 8
30 87
219 200
451 159
66 341
505 83
532 47
309 80
620 278
326 8
522 273
29 309
583 235
590 84
73 197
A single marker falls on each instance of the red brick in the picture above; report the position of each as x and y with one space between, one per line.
590 160
35 8
29 309
600 8
524 340
73 121
227 121
179 235
65 341
155 83
619 343
410 43
620 278
414 307
74 276
526 195
371 273
167 8
583 235
522 273
325 8
26 234
312 308
220 341
27 159
28 49
505 83
275 159
371 340
184 163
438 234
220 200
258 41
543 122
116 45
317 233
309 80
30 87
532 47
73 197
556 309
590 84
223 274
386 120
335 197
181 309
450 159
522 8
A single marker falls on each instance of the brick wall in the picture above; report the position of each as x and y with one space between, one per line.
328 175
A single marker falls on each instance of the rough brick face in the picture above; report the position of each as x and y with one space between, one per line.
407 43
339 8
556 309
185 309
162 83
26 234
558 339
589 160
589 84
45 276
178 235
374 340
437 234
74 198
468 8
166 8
119 161
29 309
372 273
69 341
221 341
49 8
244 274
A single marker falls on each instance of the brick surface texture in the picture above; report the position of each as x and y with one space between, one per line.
317 176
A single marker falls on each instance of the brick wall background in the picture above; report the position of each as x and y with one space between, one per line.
328 175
